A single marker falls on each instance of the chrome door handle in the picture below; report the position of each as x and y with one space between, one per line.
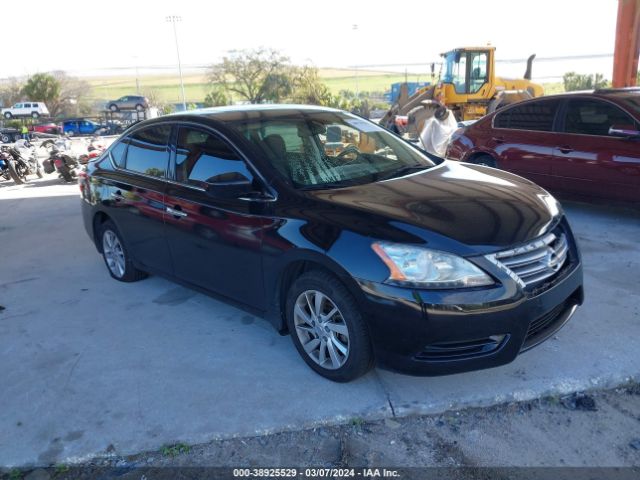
176 213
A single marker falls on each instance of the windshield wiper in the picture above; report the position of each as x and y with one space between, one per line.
399 172
328 185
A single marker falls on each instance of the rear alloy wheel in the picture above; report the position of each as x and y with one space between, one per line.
7 115
326 327
486 160
139 108
113 107
4 138
35 115
115 255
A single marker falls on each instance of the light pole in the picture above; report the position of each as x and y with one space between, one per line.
137 76
354 27
173 19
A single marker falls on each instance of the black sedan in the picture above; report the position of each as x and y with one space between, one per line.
362 247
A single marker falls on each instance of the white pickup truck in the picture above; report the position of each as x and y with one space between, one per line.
26 109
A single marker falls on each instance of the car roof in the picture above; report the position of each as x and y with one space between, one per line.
616 96
253 111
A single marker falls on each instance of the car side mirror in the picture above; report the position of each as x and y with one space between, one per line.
229 185
624 131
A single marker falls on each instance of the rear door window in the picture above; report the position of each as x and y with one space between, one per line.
203 158
148 151
118 152
536 116
593 117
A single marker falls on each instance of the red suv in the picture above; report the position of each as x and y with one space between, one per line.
576 143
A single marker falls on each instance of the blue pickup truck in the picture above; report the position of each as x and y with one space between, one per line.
82 127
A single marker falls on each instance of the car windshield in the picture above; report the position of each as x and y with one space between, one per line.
330 149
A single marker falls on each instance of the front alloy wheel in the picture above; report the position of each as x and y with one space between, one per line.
321 329
327 327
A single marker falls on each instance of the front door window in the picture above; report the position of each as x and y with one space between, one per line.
460 74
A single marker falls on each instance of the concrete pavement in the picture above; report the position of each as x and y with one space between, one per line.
89 365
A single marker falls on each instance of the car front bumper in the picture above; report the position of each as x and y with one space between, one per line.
431 332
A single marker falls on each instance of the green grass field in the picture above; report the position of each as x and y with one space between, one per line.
166 88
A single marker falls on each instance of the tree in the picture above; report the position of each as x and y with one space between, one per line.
11 92
254 75
155 100
74 96
64 95
309 89
42 87
576 81
216 97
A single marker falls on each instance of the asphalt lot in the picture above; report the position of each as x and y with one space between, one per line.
89 365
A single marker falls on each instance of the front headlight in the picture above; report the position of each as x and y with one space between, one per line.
422 267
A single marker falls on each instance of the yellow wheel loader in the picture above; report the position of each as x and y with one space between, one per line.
468 86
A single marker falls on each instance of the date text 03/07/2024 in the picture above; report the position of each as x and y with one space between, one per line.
315 473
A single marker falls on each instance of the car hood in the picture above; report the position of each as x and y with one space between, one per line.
471 204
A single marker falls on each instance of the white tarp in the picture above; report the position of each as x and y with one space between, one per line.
436 133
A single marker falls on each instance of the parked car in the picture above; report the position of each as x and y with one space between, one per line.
26 109
8 135
587 144
50 128
82 127
128 102
378 253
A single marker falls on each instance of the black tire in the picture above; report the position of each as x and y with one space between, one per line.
4 138
14 173
66 174
140 108
131 273
7 115
113 107
360 353
35 114
486 160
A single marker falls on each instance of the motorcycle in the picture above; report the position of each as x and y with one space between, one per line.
59 160
27 152
9 168
19 161
94 149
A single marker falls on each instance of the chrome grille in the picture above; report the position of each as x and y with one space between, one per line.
534 262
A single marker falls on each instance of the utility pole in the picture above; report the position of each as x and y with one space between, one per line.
173 19
137 77
354 27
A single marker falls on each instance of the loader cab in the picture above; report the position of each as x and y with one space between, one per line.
468 70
